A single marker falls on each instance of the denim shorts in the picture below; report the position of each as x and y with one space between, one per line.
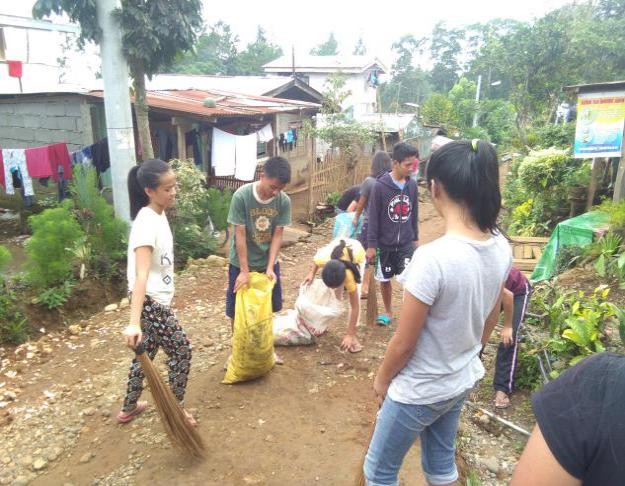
397 428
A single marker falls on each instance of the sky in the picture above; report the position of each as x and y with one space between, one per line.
304 25
307 24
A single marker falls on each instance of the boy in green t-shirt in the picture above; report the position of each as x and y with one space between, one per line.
259 211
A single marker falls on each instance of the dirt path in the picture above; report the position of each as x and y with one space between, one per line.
307 422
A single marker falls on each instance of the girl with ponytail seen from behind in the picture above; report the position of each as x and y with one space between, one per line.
152 190
452 294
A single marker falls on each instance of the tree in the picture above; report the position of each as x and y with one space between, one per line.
327 48
256 54
153 33
214 53
444 50
438 110
360 49
409 84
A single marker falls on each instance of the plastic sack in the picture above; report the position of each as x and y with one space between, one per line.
317 305
252 340
343 227
289 330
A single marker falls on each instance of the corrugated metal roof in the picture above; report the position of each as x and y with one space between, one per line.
253 85
318 63
226 103
584 88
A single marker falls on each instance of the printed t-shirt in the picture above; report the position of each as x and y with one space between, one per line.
152 229
260 219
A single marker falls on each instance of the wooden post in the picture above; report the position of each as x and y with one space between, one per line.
619 185
592 189
311 168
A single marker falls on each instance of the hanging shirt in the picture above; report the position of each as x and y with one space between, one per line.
15 161
223 154
101 158
289 136
246 158
265 134
45 161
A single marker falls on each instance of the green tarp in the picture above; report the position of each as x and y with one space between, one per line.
577 231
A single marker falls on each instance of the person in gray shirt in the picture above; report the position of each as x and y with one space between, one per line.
453 289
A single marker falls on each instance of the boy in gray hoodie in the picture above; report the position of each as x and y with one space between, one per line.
393 222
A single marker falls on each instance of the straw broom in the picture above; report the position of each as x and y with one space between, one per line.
182 435
360 476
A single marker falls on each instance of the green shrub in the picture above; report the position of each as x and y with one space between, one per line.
616 215
107 236
12 323
5 258
49 251
559 136
544 169
333 198
55 296
189 217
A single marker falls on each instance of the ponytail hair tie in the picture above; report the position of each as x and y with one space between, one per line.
474 144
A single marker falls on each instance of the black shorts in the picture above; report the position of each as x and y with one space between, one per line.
392 262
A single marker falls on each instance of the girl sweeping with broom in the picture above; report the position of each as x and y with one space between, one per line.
453 286
153 324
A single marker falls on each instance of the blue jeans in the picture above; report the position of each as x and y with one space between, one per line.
398 427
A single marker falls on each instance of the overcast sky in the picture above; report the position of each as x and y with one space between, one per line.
306 24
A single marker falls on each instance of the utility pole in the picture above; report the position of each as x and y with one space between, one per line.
119 129
477 99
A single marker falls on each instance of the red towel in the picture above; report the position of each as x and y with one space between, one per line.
15 69
44 161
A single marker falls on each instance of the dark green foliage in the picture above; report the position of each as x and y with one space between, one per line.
49 250
559 136
55 296
106 235
327 48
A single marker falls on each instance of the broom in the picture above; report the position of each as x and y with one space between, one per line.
372 298
360 476
181 434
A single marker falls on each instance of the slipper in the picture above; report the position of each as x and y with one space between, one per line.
364 296
277 359
190 420
356 349
125 417
501 404
383 320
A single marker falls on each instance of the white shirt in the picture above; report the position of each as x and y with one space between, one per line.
152 229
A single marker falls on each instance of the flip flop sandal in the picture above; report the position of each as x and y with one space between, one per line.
125 417
501 405
383 320
364 296
358 349
190 420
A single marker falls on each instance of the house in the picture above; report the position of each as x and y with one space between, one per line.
41 56
181 123
289 88
362 76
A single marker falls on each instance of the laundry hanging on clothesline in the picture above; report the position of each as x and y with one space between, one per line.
234 155
19 166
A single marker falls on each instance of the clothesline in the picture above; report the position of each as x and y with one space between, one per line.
236 155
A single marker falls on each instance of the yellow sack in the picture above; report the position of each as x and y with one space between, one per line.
252 340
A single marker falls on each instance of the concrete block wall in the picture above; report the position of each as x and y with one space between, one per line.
30 121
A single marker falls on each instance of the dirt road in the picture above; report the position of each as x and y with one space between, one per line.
307 422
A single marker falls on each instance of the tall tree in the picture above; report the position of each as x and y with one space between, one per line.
445 48
257 53
215 53
327 48
153 33
409 83
360 49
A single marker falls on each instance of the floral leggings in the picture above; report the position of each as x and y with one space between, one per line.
160 329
